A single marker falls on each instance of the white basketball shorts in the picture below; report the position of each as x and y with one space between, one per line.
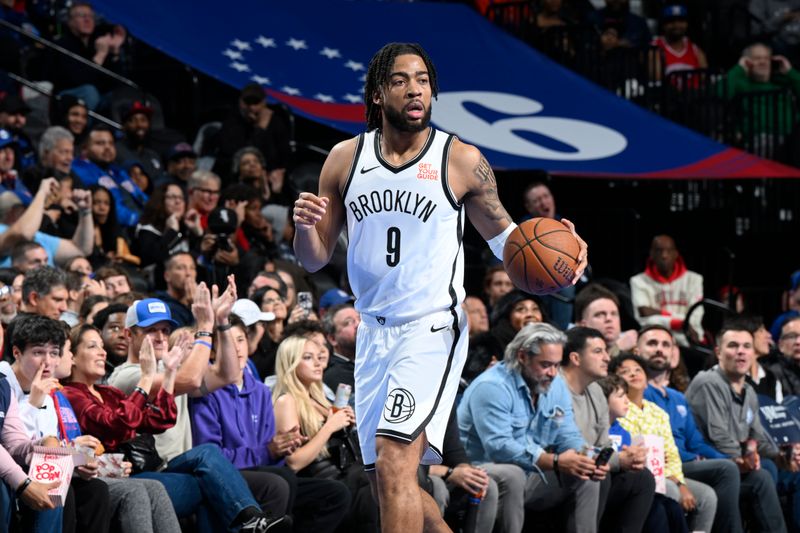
406 378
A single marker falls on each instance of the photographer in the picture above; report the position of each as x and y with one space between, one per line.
220 255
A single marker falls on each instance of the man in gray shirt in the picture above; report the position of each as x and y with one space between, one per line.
726 409
626 495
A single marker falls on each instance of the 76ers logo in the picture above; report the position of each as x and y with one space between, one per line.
399 406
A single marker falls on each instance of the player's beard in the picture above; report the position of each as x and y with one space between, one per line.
400 123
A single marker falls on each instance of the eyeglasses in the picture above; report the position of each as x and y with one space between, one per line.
210 192
790 337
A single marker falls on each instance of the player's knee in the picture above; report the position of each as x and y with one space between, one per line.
394 458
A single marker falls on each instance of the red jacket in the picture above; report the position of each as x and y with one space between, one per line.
118 418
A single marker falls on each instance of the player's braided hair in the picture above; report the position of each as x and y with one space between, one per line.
378 75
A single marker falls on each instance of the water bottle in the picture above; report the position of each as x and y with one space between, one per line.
471 516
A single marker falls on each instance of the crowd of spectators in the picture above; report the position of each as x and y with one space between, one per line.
164 296
650 52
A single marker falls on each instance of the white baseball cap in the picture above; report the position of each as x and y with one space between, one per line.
249 312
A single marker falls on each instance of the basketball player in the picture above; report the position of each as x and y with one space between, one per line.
403 189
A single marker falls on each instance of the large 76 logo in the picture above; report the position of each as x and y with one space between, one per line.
585 141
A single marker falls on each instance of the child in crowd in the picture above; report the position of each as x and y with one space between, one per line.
665 514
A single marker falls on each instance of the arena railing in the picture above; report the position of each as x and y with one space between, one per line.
37 87
71 55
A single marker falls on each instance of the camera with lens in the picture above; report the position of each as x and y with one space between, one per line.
222 223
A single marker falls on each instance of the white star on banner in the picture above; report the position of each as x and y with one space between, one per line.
261 80
330 53
362 78
353 98
241 45
324 98
290 90
266 42
297 44
232 54
240 67
354 66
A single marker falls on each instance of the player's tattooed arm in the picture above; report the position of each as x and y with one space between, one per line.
474 184
487 193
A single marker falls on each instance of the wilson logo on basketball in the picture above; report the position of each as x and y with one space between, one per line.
563 268
399 406
425 171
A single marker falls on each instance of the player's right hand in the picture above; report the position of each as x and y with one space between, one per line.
308 210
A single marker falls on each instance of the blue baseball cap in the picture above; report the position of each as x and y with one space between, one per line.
334 297
674 12
144 313
6 138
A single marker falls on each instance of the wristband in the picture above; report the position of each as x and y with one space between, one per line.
447 475
84 211
24 486
498 242
204 343
199 334
141 391
555 462
225 327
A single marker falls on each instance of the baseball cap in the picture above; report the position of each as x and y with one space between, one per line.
144 313
6 138
674 12
333 297
13 104
137 106
180 150
249 312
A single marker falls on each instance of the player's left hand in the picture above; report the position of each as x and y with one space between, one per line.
583 255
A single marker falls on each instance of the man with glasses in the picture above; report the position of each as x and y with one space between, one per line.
71 77
204 189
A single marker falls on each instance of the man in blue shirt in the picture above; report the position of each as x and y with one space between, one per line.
701 461
516 418
97 167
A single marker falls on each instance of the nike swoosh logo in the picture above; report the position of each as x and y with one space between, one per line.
365 170
434 330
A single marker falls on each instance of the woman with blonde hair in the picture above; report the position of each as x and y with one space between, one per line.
300 400
329 452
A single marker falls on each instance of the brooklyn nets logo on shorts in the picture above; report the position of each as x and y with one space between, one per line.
399 406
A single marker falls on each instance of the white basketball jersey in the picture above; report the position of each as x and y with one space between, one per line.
405 227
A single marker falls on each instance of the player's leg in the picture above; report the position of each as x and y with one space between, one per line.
405 506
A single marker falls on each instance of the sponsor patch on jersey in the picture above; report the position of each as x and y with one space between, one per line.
426 171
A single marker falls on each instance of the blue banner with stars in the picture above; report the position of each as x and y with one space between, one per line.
522 110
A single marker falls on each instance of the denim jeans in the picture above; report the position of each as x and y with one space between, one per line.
202 480
34 521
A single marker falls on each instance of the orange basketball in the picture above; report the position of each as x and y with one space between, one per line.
541 255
